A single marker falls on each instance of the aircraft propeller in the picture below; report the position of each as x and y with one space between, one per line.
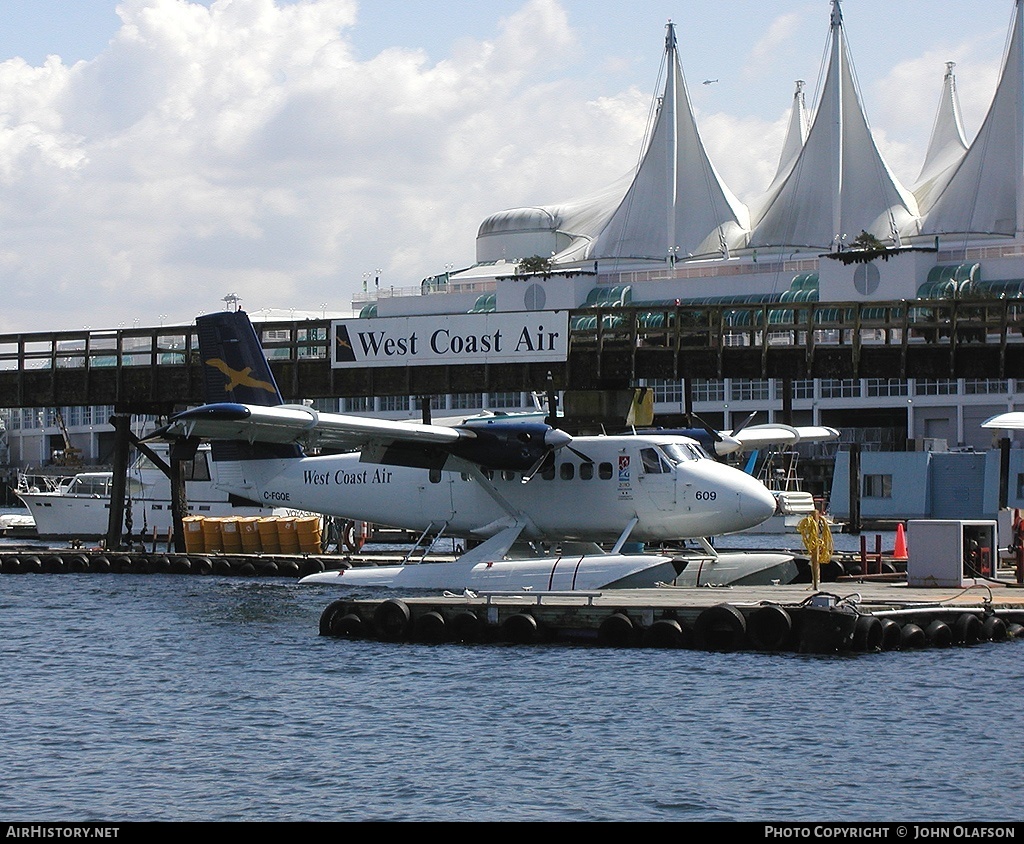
744 423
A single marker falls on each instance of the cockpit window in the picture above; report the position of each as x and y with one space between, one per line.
654 463
680 452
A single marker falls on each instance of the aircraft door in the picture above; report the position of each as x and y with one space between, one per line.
657 478
434 494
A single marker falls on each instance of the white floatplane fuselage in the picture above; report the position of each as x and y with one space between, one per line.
666 487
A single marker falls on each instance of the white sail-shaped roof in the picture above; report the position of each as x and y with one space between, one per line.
945 149
566 230
839 184
677 203
986 193
796 135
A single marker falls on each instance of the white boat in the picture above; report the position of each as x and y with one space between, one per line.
78 507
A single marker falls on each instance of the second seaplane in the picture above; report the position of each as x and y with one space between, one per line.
548 511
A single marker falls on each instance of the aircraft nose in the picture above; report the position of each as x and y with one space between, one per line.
758 502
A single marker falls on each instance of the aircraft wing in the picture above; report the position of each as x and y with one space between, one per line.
304 426
501 444
1012 421
761 436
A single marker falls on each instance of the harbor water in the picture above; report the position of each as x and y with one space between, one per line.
207 698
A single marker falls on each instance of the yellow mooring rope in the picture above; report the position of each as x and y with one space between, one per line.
817 536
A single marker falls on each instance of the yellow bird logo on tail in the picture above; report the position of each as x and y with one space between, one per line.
240 377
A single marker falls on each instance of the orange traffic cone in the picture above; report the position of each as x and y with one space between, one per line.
900 551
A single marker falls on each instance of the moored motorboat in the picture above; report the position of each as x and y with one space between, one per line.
78 507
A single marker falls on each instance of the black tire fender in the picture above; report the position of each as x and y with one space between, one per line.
430 627
327 617
520 628
466 627
769 627
720 628
664 633
967 629
912 636
939 634
616 631
993 629
391 620
868 634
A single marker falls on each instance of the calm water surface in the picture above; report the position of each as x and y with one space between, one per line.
177 698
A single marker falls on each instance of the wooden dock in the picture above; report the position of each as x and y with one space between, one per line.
849 616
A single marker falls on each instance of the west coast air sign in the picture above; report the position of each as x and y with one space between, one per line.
513 337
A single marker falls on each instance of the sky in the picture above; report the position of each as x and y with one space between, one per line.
157 156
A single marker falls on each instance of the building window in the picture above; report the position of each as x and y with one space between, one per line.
504 400
986 386
196 469
389 403
747 389
878 486
467 401
935 386
668 391
358 404
886 387
801 388
707 390
840 388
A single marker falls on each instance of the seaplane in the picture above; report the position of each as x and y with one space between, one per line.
538 508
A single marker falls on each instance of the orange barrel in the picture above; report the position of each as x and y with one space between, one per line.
248 529
267 527
308 530
211 534
287 536
230 537
193 526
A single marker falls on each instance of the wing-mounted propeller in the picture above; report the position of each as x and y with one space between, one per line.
744 423
507 443
713 440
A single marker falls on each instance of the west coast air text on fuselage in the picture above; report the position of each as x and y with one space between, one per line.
341 477
514 337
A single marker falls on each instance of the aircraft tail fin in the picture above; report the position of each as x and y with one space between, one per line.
236 370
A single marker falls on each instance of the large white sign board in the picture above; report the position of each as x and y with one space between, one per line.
508 337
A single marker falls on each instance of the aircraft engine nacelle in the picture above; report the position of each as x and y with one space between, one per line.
501 444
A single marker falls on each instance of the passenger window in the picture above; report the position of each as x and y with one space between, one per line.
508 475
548 472
568 471
586 471
435 476
604 471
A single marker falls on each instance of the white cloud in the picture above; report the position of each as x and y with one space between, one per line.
245 147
